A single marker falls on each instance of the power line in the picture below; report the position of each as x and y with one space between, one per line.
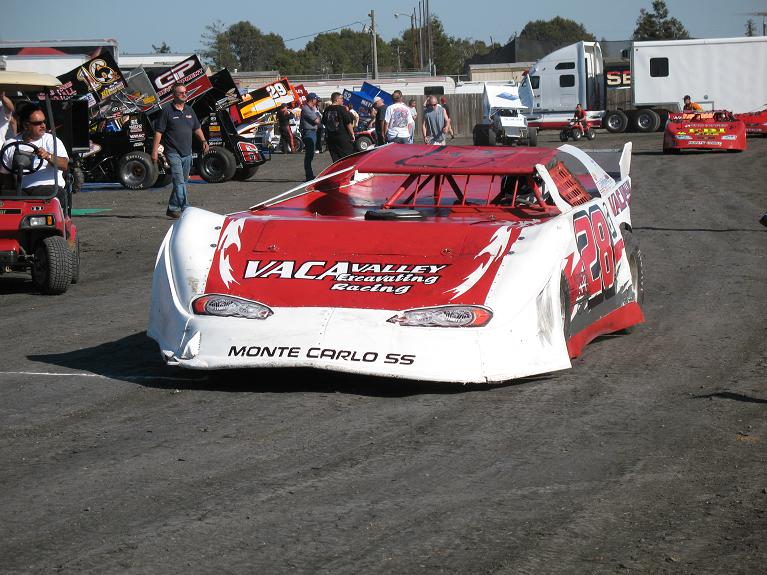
324 31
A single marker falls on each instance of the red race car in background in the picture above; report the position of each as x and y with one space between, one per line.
756 122
715 130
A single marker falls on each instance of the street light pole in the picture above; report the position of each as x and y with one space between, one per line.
428 35
373 38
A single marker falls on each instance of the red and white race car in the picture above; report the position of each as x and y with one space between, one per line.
464 264
756 122
717 130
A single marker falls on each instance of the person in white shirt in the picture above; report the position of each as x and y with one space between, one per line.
413 112
6 115
40 182
398 123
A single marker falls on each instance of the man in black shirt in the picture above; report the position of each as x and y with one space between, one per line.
175 126
284 115
380 108
339 128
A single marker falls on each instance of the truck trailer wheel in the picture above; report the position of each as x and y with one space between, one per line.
615 121
217 166
646 120
532 137
137 171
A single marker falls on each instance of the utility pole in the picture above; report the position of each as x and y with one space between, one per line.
428 35
373 38
420 36
412 33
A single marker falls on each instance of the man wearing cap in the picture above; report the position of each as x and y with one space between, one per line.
380 117
310 119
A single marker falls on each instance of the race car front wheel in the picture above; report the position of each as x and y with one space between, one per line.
137 171
217 165
634 257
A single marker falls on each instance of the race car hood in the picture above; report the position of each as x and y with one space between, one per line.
705 129
329 262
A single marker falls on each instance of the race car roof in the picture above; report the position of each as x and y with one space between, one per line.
423 159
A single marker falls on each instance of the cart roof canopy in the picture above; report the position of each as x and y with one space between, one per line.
25 81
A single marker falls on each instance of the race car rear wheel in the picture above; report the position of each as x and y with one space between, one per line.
363 143
564 304
634 257
137 171
615 121
217 165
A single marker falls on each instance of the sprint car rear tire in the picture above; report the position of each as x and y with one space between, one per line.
615 121
163 179
52 266
217 166
242 174
363 143
137 171
634 257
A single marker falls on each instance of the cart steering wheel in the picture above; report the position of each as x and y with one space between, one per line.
35 163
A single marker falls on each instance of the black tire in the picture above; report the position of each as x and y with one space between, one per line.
646 121
217 166
634 256
163 179
363 143
52 266
76 261
481 135
492 138
564 305
615 122
78 179
563 136
242 174
136 171
532 137
590 134
577 135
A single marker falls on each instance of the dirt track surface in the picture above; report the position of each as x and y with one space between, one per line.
648 456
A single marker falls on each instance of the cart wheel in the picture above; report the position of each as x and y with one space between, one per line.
563 136
76 261
52 267
577 135
591 134
363 143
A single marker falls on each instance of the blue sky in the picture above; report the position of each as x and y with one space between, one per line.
181 25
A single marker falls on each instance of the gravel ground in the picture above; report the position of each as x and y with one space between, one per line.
648 456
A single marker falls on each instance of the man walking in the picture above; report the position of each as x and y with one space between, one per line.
174 127
435 124
398 123
339 128
310 119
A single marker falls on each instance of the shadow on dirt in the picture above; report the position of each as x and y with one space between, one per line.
136 359
732 396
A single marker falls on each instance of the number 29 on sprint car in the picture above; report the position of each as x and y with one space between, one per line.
459 264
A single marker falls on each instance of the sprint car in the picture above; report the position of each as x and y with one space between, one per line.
717 130
756 122
457 264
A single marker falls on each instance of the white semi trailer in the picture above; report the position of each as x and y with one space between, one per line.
718 73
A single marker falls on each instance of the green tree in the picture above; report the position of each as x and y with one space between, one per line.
217 50
750 28
657 25
161 49
558 30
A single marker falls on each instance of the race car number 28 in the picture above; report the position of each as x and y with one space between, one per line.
593 237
